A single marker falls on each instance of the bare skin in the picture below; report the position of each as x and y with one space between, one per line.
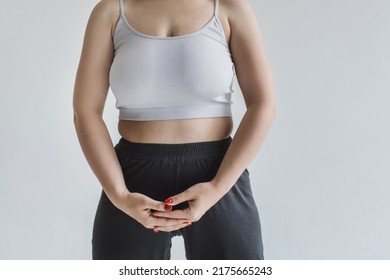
167 18
172 18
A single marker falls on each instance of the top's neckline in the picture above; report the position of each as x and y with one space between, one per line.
136 32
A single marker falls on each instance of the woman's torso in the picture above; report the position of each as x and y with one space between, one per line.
163 12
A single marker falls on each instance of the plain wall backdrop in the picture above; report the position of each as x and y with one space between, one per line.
321 178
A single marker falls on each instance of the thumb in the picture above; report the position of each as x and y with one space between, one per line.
177 199
155 205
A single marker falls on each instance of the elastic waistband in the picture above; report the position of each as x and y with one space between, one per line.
173 152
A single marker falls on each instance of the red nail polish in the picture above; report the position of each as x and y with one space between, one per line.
169 200
168 207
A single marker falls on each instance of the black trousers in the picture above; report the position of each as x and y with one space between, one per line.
229 230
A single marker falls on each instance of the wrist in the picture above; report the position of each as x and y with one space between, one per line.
119 198
219 188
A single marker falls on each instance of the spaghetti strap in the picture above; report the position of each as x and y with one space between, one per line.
121 6
216 7
160 99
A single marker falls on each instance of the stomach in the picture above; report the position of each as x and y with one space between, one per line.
176 131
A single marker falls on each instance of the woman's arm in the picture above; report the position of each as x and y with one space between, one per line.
255 80
90 93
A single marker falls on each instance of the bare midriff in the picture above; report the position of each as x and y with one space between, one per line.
176 131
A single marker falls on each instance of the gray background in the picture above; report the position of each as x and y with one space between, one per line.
320 179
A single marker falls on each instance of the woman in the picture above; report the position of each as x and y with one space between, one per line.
176 170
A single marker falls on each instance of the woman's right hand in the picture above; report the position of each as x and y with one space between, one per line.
140 208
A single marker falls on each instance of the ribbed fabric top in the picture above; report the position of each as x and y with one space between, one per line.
180 77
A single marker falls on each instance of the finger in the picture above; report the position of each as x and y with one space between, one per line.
179 198
157 221
175 214
172 228
166 208
155 205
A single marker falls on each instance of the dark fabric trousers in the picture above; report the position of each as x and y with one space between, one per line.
229 230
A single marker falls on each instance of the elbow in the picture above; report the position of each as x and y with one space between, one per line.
76 117
264 107
271 108
79 115
83 118
274 111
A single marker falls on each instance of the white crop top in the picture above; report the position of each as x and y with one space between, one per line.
180 77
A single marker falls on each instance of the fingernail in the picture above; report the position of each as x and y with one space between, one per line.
169 200
168 207
155 230
187 223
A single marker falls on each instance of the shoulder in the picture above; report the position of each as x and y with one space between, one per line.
237 12
235 8
240 15
105 13
106 8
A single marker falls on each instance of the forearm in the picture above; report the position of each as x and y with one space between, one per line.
98 149
246 142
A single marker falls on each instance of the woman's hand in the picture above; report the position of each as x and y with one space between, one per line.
200 197
140 207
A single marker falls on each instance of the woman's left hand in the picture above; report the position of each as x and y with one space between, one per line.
200 197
